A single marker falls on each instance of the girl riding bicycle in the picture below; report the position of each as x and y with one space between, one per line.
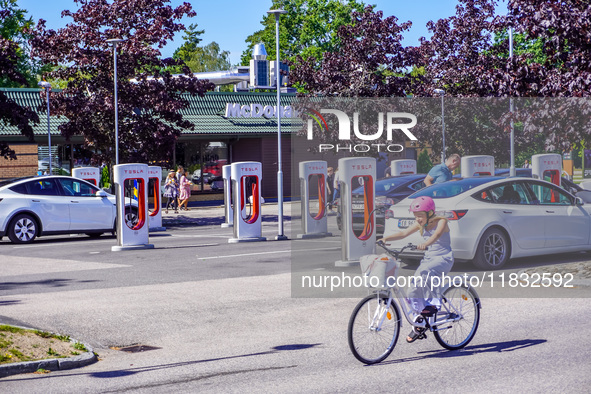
437 261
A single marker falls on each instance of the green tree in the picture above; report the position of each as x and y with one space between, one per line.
197 58
14 27
205 58
309 28
192 40
150 99
424 163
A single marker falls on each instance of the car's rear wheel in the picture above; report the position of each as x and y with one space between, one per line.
494 250
23 229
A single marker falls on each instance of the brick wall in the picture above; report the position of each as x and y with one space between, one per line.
25 165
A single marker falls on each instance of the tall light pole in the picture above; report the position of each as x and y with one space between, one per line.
280 235
512 167
441 92
114 42
47 86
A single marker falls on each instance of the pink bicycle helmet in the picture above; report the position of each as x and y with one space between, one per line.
422 204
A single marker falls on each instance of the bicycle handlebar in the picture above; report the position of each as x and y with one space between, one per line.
395 253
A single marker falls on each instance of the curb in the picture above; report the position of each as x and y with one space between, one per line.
50 364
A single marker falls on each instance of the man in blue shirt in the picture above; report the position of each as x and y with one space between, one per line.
443 172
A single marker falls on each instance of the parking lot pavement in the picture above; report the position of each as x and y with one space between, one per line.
210 215
206 308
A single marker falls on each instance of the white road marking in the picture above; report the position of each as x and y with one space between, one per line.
261 253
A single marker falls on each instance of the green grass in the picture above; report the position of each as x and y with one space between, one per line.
12 329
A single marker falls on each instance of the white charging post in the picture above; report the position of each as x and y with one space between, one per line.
548 167
228 211
131 190
403 167
155 214
477 165
89 174
359 238
313 176
246 189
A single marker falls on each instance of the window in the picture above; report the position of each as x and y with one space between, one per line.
453 188
21 188
417 186
73 187
511 193
551 195
483 196
42 187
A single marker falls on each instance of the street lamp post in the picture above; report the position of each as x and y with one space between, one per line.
114 42
47 86
441 92
280 235
512 167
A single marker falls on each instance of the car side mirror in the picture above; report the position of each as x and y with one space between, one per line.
579 201
102 194
584 196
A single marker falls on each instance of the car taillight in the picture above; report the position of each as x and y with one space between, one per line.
452 215
389 214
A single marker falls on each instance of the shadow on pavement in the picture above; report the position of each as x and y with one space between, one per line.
132 371
498 347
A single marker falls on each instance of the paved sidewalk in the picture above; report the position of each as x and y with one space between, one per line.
213 215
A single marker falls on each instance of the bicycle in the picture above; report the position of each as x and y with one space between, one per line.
375 323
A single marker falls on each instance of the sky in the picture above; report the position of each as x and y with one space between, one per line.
230 22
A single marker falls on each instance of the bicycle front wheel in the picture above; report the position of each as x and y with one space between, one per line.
373 329
463 307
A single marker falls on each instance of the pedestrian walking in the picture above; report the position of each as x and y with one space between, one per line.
171 191
185 191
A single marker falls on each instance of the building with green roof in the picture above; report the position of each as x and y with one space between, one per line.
225 131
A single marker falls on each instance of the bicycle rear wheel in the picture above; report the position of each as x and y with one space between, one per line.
373 329
463 305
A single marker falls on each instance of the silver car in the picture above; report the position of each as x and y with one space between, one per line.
48 205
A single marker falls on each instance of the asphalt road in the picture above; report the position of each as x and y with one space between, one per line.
220 317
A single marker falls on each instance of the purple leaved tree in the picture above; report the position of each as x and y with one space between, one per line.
149 97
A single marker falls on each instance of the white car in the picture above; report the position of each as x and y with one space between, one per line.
47 205
492 219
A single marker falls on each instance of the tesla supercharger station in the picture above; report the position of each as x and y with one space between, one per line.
89 174
155 215
313 176
228 211
547 166
246 191
479 165
358 240
131 189
403 167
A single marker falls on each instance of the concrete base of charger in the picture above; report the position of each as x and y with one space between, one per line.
249 239
120 248
314 235
346 263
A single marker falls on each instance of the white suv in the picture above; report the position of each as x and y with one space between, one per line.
47 205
